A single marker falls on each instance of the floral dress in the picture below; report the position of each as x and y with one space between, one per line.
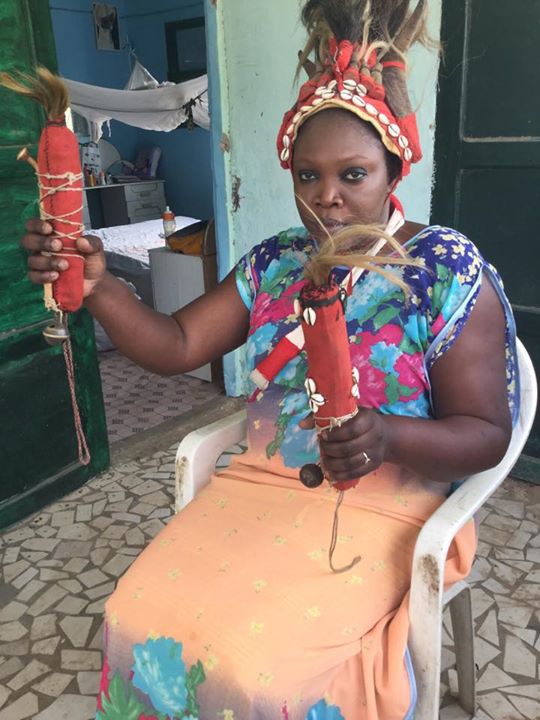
232 611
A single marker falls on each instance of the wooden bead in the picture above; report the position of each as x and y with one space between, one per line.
311 475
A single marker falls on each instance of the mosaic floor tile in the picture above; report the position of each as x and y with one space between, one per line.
136 400
55 586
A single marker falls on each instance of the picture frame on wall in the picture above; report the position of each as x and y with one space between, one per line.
186 49
106 26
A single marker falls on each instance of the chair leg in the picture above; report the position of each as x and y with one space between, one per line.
462 624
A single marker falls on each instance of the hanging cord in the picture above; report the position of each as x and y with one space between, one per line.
50 303
333 542
82 445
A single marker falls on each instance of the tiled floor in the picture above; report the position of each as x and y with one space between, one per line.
60 566
136 400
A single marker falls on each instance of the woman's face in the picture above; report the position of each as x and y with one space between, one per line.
340 173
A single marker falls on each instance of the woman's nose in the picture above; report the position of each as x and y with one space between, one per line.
329 196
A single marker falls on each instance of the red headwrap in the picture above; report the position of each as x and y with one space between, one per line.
347 83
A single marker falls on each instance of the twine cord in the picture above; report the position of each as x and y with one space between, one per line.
48 191
333 542
82 446
50 302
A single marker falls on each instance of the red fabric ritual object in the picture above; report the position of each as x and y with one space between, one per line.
330 384
60 181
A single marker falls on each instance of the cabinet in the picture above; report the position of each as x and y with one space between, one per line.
179 279
123 204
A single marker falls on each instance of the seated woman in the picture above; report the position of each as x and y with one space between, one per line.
232 611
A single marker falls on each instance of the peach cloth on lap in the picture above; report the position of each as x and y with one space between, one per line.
240 577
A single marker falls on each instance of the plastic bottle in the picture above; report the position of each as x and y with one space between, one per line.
169 222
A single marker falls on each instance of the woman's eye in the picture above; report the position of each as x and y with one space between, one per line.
306 175
354 174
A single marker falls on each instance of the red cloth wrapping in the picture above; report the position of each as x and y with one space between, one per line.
330 384
58 155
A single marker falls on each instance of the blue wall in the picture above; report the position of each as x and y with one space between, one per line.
185 163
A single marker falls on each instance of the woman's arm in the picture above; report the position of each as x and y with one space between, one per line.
204 330
472 428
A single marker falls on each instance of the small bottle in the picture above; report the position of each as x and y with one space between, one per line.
169 222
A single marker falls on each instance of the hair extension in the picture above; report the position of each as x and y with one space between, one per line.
345 246
47 89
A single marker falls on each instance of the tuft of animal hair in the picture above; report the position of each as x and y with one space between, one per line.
349 247
46 88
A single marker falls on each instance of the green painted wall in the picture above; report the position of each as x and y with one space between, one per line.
253 46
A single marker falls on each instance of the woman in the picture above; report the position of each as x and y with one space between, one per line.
232 610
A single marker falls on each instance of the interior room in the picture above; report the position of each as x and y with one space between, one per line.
136 171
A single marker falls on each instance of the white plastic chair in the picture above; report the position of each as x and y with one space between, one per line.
196 461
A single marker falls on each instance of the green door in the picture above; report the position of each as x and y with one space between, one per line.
38 446
487 152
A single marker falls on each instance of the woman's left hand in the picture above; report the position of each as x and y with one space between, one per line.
356 448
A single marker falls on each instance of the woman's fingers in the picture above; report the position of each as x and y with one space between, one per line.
38 227
40 278
89 244
41 243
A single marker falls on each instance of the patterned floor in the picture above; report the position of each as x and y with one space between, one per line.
136 400
61 565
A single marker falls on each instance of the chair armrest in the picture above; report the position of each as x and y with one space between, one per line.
440 529
199 451
433 542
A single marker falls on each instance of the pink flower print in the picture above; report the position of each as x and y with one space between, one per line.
411 374
103 683
268 309
371 382
438 324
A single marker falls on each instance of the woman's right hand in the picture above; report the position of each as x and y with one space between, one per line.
47 268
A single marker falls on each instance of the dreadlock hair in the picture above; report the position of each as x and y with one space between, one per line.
386 26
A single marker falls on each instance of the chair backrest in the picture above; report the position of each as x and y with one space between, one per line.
528 393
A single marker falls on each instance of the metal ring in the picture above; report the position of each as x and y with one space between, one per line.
367 459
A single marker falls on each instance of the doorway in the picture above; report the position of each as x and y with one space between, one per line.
487 154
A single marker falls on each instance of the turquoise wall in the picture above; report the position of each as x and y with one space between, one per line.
185 163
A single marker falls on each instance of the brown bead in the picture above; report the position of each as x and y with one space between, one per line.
311 475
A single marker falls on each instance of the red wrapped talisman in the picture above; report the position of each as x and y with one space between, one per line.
60 181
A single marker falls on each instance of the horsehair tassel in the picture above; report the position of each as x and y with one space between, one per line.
58 170
59 177
331 385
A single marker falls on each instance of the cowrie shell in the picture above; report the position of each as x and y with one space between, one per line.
383 119
297 307
346 95
394 130
285 154
407 154
310 386
291 129
310 316
328 95
355 392
315 405
355 374
350 83
297 117
317 101
321 90
371 109
305 108
332 84
286 141
403 142
318 399
362 89
359 101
